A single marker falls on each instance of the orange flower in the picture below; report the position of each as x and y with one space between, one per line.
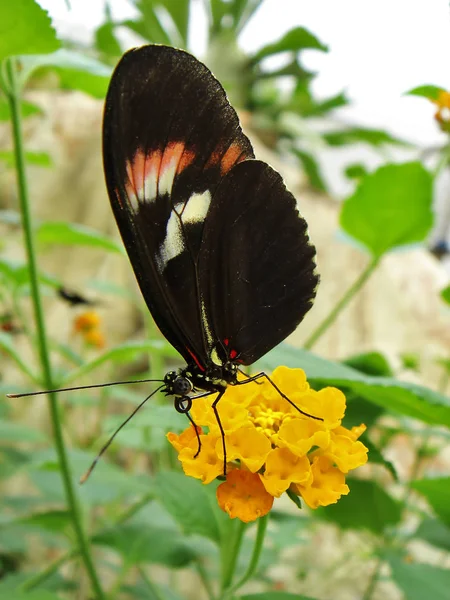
271 447
442 115
88 325
243 496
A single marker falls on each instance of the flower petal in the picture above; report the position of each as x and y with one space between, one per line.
207 465
327 485
243 496
300 435
248 444
284 468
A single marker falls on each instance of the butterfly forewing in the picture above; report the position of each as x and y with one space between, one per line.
170 137
256 263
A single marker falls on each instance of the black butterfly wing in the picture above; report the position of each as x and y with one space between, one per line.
169 138
256 263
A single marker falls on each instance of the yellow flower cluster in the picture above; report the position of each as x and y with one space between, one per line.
88 324
270 446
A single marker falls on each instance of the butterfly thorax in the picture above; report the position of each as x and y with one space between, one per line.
213 378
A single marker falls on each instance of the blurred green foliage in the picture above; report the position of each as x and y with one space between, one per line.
139 510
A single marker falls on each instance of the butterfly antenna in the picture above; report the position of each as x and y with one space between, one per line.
86 476
84 387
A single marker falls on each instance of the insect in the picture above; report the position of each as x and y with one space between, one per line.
219 250
218 247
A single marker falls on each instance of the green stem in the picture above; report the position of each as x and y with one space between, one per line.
373 580
14 103
342 303
230 554
153 588
204 578
443 162
253 564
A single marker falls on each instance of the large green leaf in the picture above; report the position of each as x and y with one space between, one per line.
192 504
73 234
390 208
401 397
147 544
437 492
367 506
294 40
419 581
25 28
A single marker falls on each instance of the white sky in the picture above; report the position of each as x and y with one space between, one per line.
378 50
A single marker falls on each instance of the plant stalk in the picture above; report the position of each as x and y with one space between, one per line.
342 303
253 564
14 103
230 554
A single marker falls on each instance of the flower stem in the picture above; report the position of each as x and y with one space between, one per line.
342 303
253 564
230 553
14 103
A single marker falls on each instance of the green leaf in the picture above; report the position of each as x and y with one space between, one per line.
73 234
106 41
25 28
124 353
399 396
437 492
27 109
445 294
370 363
434 532
53 520
16 432
13 594
107 484
179 11
367 506
355 171
419 581
376 457
390 208
362 135
294 40
40 159
148 544
312 170
18 274
7 345
275 596
192 504
76 71
426 91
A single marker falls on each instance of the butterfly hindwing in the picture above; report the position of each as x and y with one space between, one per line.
170 137
256 263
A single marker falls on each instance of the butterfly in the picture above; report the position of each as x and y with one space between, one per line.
221 254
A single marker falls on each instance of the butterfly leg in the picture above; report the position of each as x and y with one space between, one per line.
261 375
183 405
222 432
248 376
